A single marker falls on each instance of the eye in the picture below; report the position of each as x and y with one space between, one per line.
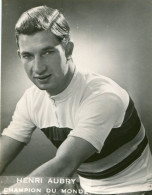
26 56
48 52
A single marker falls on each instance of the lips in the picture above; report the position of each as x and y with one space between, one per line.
43 77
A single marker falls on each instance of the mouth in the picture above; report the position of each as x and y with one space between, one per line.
43 78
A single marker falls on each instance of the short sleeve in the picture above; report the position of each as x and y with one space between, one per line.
21 126
97 116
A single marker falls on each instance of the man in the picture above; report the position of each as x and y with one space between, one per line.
88 117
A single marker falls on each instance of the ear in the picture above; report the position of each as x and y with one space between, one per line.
69 49
19 54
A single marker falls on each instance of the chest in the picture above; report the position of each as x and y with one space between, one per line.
53 113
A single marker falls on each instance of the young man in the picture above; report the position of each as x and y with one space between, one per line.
88 117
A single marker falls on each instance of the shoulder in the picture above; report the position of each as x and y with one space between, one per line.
32 97
98 88
34 94
33 91
103 105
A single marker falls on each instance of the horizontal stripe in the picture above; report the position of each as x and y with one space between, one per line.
120 136
56 134
115 157
118 167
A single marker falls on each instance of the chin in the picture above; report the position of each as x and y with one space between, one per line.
46 88
41 87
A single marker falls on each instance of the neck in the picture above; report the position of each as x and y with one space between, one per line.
69 74
67 80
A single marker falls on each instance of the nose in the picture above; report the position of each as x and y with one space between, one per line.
39 66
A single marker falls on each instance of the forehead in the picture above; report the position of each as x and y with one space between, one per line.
37 41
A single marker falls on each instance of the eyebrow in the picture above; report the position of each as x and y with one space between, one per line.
43 49
25 52
49 47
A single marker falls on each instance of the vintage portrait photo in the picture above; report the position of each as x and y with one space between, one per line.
76 97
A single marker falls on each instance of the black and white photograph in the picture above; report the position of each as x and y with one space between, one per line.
76 97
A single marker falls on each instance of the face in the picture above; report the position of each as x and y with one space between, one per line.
44 61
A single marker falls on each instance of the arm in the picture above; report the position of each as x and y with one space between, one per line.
9 148
69 156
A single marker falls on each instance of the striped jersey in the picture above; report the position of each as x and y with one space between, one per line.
96 109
